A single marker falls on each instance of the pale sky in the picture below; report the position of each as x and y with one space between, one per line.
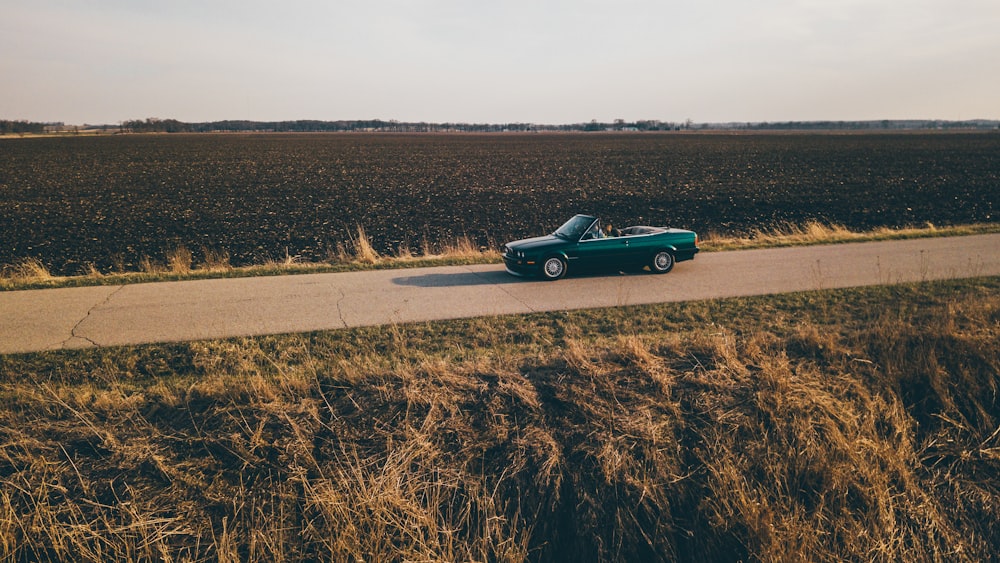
499 61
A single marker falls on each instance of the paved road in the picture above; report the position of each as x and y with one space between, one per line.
191 310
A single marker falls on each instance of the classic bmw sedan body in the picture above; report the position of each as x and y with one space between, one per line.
580 244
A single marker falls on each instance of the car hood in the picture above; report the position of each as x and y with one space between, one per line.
536 242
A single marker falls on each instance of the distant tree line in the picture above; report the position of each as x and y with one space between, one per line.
302 126
20 127
884 124
156 125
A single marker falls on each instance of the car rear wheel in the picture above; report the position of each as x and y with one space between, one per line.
553 268
662 262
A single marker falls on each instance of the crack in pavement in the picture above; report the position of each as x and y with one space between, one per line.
501 288
72 332
340 312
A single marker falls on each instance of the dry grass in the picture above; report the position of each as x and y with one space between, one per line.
93 272
826 426
817 232
364 252
461 247
28 269
149 266
179 260
29 272
215 260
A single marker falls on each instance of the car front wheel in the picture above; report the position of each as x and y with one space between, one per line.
553 268
662 262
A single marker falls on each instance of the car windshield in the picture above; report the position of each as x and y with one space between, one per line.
575 227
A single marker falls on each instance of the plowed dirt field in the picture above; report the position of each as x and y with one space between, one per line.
109 202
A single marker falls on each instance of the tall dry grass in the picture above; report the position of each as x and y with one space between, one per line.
26 272
831 426
364 252
819 232
215 260
28 269
180 260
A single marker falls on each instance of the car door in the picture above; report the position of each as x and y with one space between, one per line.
608 252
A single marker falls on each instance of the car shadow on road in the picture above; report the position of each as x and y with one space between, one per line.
457 279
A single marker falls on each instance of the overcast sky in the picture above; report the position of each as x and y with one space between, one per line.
497 61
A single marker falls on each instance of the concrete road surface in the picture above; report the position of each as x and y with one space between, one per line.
175 311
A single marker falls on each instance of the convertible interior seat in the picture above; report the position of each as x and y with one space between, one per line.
640 230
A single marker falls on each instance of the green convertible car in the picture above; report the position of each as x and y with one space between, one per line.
582 245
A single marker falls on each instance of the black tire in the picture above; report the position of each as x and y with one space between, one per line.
662 262
553 268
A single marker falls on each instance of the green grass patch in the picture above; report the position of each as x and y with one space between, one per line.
852 424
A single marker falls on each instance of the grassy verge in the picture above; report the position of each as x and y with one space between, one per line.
822 233
858 424
177 265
